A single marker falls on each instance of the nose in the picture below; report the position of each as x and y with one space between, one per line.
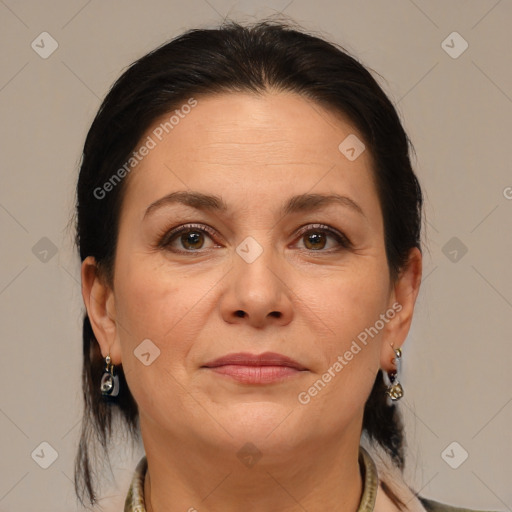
256 291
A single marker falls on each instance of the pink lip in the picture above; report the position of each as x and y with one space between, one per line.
246 359
256 369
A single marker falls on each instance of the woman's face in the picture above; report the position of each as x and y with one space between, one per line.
276 268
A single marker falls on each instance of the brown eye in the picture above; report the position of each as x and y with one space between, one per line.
192 240
315 240
319 237
188 238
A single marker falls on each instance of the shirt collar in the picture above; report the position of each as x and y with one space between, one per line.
135 498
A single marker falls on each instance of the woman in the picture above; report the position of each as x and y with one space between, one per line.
249 228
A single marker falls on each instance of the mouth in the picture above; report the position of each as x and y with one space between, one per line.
246 368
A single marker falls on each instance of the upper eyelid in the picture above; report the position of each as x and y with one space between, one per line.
211 231
169 234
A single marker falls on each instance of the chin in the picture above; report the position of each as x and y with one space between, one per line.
262 421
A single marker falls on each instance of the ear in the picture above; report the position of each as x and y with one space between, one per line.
100 304
402 300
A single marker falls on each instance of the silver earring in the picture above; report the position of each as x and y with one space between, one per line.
110 381
395 391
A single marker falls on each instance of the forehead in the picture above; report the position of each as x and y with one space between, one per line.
265 144
282 123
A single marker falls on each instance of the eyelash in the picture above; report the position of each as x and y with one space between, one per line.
168 236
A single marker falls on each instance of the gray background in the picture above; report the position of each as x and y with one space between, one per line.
457 111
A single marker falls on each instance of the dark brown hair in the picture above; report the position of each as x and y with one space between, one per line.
266 55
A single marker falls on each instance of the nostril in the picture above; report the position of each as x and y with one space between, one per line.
240 313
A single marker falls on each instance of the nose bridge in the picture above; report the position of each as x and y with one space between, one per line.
255 259
256 292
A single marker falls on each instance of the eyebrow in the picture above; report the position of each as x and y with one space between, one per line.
295 204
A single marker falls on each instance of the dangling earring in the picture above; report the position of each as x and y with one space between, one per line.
110 381
395 391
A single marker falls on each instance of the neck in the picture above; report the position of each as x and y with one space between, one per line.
193 476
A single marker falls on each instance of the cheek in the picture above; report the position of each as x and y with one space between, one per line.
159 316
349 308
351 300
166 306
338 389
148 305
350 352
